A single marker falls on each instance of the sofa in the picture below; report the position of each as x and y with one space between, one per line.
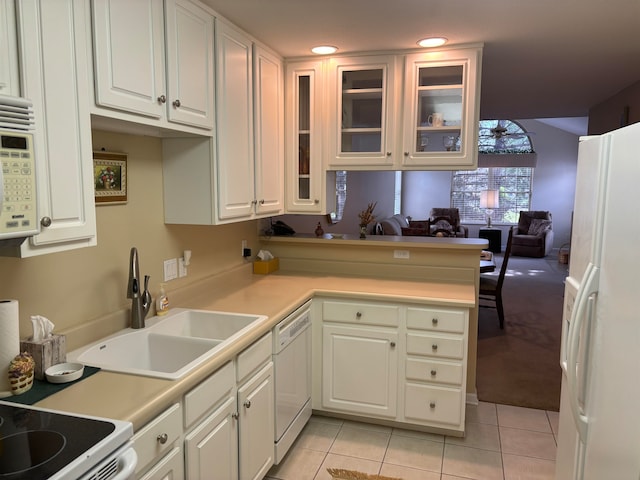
534 234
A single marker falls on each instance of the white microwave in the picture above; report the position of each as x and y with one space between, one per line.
18 206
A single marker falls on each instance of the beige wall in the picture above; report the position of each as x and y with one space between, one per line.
88 286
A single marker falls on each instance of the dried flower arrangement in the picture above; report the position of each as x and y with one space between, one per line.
367 216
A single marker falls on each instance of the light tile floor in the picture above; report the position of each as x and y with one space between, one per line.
501 443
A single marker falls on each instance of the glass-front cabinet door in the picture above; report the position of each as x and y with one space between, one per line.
362 105
304 169
441 109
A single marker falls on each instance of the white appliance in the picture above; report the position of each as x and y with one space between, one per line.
292 372
18 207
38 443
599 430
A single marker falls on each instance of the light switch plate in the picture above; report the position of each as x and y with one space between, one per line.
182 268
170 269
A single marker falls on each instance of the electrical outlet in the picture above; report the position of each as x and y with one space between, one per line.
244 246
182 268
170 269
401 254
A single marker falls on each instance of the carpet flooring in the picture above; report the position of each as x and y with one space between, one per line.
520 364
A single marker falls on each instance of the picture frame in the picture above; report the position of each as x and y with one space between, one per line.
110 177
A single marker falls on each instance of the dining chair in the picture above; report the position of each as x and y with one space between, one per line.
491 286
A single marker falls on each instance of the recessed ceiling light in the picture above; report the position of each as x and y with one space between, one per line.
324 49
432 42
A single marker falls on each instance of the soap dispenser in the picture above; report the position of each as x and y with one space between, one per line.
162 303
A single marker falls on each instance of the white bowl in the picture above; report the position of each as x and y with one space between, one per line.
64 372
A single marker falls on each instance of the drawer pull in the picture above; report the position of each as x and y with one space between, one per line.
434 321
358 315
433 373
247 404
162 99
162 438
434 347
177 103
432 404
393 344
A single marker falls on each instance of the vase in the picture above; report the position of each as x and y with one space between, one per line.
363 231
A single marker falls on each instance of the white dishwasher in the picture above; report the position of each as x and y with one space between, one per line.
292 371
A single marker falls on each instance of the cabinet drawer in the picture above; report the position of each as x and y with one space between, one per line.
208 394
437 319
428 403
426 370
440 346
254 356
361 313
158 436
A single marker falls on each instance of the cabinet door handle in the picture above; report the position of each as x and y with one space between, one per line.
432 404
434 321
358 314
388 154
235 415
247 404
433 373
162 99
316 201
434 347
176 103
45 221
162 438
406 154
262 202
393 344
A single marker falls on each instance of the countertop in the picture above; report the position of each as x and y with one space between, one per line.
138 399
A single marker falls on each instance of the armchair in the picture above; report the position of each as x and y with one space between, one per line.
447 221
534 234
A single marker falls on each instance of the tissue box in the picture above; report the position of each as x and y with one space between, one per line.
263 267
47 352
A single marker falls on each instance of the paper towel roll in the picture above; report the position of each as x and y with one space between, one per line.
9 341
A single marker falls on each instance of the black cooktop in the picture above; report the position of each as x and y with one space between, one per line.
36 444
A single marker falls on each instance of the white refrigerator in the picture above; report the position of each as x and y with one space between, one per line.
599 428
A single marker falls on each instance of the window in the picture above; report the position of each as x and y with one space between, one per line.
506 162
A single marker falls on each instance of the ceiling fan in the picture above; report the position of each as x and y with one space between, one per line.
501 132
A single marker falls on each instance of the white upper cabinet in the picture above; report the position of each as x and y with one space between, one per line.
131 42
238 174
268 132
189 34
383 118
305 175
441 109
9 77
55 77
234 111
362 110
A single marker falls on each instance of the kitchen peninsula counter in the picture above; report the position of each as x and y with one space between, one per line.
139 399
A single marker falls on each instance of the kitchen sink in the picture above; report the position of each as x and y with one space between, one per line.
202 324
169 346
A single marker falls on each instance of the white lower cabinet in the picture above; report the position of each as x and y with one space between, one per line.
211 448
256 411
156 441
393 361
360 370
223 428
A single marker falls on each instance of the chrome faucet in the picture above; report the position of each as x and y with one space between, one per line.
140 301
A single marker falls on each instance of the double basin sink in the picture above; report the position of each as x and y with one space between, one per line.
169 346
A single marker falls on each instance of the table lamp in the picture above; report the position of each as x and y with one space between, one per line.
489 201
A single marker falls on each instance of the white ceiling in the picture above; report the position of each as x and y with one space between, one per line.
542 58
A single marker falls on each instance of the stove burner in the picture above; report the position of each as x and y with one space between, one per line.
26 450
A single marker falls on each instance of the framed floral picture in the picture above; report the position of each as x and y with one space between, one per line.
110 177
